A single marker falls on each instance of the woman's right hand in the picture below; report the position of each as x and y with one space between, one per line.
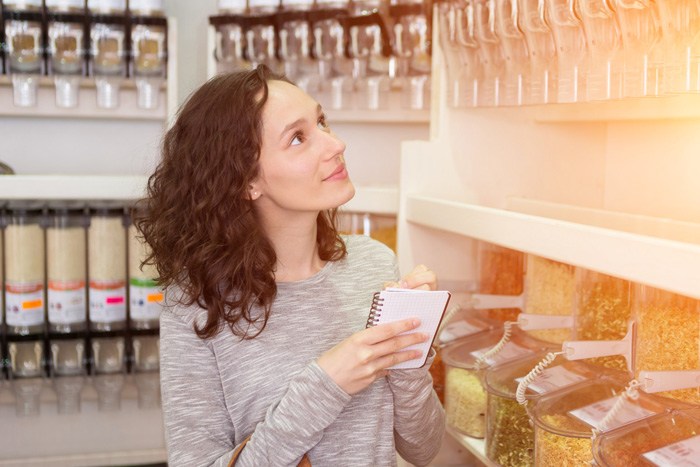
359 360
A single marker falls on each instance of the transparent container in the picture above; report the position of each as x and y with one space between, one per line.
108 53
146 351
260 37
24 269
66 48
570 42
26 373
149 50
334 67
500 271
640 36
412 52
550 289
66 266
516 76
667 335
109 367
635 443
145 296
604 55
490 54
107 260
370 50
465 394
68 370
294 41
603 308
459 48
542 57
680 23
24 48
564 420
230 37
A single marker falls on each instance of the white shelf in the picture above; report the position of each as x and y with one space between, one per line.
72 187
374 200
473 445
659 262
378 116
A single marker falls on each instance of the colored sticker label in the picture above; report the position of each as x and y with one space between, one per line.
145 302
66 300
107 302
24 304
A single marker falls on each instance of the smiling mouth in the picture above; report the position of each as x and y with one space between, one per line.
340 170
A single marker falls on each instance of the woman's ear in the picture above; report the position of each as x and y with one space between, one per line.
254 192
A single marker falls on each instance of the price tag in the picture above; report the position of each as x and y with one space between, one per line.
684 453
509 352
458 329
594 413
553 378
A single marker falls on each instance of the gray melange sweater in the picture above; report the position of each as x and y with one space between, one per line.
218 392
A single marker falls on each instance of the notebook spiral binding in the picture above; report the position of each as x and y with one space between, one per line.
375 311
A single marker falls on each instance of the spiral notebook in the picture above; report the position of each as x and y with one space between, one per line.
392 304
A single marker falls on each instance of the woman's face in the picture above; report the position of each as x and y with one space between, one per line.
302 168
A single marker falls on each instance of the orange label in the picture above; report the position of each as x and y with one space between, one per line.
32 304
154 297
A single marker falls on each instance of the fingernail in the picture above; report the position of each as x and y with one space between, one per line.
415 323
403 284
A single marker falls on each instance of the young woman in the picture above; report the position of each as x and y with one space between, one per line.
263 348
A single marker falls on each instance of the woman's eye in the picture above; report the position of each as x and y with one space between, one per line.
322 123
297 139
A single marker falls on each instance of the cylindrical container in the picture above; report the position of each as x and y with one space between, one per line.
570 43
66 31
149 38
500 271
24 270
66 264
294 44
542 55
24 48
667 335
108 53
564 421
681 48
603 307
230 36
68 372
516 74
260 36
651 441
26 373
107 269
490 53
145 296
109 366
549 286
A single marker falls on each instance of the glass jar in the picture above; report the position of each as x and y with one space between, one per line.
109 367
66 48
145 296
603 307
549 286
490 53
500 271
681 49
564 421
66 264
294 43
24 48
68 369
570 42
26 373
107 268
260 34
230 40
635 443
24 269
516 76
667 335
149 50
108 54
542 56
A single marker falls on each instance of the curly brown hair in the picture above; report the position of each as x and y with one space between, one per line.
198 218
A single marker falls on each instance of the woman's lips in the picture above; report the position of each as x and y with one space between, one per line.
338 174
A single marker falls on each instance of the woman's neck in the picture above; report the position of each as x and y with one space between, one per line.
297 250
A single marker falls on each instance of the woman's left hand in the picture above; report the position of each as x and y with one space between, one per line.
421 278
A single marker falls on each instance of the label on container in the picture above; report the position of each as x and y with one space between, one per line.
66 302
594 413
146 299
458 329
553 378
107 301
684 453
24 303
509 352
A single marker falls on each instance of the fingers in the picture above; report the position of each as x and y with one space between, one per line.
386 331
421 278
390 360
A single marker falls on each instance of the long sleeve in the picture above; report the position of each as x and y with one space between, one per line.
199 430
419 419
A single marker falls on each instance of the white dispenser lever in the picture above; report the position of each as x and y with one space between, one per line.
532 322
489 302
658 381
577 350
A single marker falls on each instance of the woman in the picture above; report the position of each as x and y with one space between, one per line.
263 351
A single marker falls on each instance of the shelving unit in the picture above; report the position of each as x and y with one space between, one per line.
473 445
